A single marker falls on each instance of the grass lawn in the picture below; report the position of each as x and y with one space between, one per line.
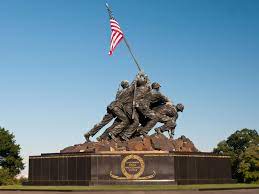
130 187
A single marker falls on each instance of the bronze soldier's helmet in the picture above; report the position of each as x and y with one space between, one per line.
155 85
124 83
180 107
141 81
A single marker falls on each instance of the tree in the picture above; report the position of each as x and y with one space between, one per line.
10 153
249 165
238 146
5 177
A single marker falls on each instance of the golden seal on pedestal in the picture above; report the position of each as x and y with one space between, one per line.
132 167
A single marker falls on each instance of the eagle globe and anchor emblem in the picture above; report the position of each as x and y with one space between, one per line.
132 167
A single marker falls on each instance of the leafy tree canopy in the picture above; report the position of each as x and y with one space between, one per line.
243 148
10 153
249 165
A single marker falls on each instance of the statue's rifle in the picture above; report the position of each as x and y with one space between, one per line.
134 101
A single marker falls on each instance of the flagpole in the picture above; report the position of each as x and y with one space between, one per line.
127 44
124 38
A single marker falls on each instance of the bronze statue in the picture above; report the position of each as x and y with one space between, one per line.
170 111
138 107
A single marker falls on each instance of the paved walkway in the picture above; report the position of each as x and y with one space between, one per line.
241 191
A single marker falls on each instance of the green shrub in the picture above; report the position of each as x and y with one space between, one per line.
5 177
21 180
243 148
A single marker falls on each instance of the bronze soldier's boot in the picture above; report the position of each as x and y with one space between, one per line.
171 134
113 137
124 138
87 136
158 130
143 134
99 139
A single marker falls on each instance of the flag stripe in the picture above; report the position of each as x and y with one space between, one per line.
114 21
114 24
114 38
116 29
116 35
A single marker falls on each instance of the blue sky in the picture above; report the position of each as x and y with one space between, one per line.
57 78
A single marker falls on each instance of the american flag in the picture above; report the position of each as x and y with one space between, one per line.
116 36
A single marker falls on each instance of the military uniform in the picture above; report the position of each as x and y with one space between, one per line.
172 112
123 109
144 106
105 134
97 127
168 116
112 112
136 90
140 93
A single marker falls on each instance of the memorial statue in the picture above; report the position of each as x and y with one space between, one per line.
137 108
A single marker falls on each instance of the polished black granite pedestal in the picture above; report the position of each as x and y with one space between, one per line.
145 167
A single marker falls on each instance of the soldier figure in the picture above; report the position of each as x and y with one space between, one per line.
170 125
154 97
165 113
145 97
138 107
111 113
127 102
141 89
